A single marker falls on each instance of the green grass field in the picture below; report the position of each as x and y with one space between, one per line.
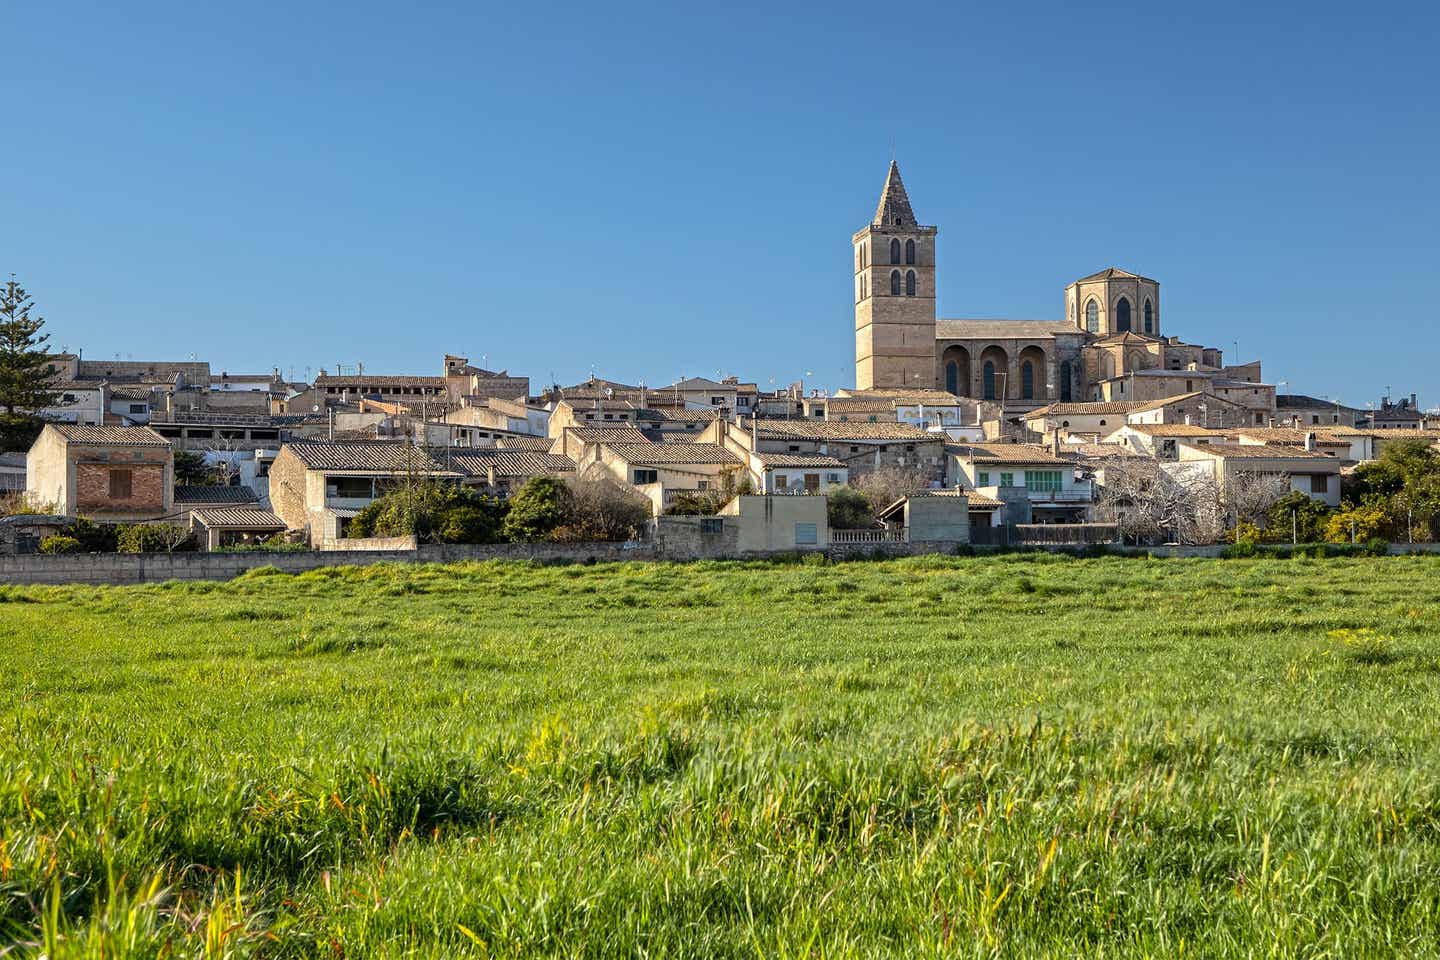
1006 756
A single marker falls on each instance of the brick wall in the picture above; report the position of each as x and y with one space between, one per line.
147 487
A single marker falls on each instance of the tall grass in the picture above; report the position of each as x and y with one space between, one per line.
1011 756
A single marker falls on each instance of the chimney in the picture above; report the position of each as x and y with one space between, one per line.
1310 442
1187 419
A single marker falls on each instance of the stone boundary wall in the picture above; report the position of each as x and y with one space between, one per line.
130 568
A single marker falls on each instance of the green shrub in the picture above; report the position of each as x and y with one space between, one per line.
537 508
94 537
848 509
59 543
153 538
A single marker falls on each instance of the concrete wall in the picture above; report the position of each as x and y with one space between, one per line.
113 568
768 522
363 544
938 518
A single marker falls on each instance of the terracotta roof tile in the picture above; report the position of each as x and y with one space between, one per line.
111 436
365 457
677 453
240 518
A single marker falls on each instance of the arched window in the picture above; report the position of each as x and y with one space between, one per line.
989 379
909 283
952 377
894 251
1065 382
1149 318
894 283
1027 381
1092 317
1122 316
909 251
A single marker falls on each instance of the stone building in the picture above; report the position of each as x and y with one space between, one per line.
894 294
1109 333
110 473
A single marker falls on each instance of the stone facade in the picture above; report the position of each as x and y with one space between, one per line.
894 265
1114 301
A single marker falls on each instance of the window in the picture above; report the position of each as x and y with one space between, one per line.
139 407
1065 377
854 449
812 481
909 283
1092 317
1122 315
1046 481
794 448
646 476
68 398
909 251
1259 420
717 401
711 526
952 377
1320 483
703 485
1027 381
609 417
1189 385
781 482
350 488
1149 318
1314 418
894 251
832 478
910 447
806 534
1102 423
989 379
982 479
121 484
894 283
1007 479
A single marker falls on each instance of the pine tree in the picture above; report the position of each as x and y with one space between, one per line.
26 370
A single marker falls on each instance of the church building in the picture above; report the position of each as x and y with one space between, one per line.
1108 347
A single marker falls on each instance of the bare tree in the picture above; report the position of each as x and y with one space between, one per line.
1147 502
1248 497
221 463
884 486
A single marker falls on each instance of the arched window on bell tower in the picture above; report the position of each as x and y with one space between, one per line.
909 283
909 251
1122 315
1149 317
894 251
1092 317
894 283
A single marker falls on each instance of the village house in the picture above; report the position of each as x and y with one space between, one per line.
1298 410
220 527
1032 480
663 471
110 473
318 487
1161 440
860 447
500 473
1313 474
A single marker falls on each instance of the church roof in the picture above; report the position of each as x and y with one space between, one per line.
894 207
1114 273
1003 329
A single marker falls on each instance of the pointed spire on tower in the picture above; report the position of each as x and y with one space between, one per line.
894 208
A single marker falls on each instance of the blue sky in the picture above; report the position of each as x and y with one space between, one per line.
652 191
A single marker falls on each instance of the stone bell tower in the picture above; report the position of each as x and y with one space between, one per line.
894 295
